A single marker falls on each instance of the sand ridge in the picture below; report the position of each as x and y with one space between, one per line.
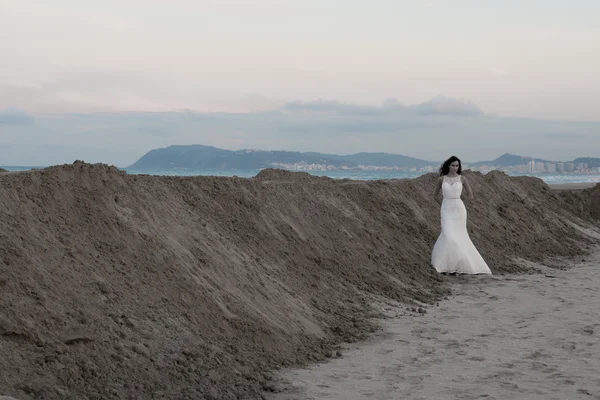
135 286
582 200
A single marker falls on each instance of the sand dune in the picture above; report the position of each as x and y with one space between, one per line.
118 286
581 200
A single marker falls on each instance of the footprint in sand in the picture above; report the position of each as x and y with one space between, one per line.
558 298
587 330
584 391
453 344
339 377
550 370
427 350
392 371
415 379
537 366
535 355
518 349
525 286
509 385
449 317
508 365
522 324
476 358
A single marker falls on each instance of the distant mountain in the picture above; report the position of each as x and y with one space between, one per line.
508 160
511 160
210 158
591 162
381 160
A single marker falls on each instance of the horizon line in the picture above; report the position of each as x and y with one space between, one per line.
529 158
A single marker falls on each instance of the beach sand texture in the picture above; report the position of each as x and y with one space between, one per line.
146 287
499 337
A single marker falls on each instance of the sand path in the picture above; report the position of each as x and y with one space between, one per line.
499 337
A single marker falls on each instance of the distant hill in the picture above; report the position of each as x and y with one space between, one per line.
208 157
212 158
591 162
508 160
382 160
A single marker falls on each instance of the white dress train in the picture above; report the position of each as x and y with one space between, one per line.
454 251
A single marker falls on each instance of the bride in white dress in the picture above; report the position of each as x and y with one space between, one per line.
454 252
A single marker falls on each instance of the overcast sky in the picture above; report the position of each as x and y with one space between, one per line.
108 81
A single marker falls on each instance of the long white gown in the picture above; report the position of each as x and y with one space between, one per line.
454 251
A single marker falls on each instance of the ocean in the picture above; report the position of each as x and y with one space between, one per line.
549 178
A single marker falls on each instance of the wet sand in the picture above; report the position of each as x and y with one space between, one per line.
497 337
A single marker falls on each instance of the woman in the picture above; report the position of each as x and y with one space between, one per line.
454 251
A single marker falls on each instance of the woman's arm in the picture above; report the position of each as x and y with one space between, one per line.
438 187
466 185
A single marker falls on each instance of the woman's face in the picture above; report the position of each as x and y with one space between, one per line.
454 167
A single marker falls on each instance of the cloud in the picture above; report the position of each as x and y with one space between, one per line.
326 126
87 90
440 105
12 116
334 107
331 107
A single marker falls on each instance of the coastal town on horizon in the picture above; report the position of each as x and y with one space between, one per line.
540 167
202 157
533 166
186 157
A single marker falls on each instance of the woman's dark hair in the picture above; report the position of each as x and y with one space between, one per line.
445 168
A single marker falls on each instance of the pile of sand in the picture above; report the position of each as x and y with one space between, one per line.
118 286
585 202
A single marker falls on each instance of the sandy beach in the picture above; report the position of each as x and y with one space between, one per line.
496 337
122 286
